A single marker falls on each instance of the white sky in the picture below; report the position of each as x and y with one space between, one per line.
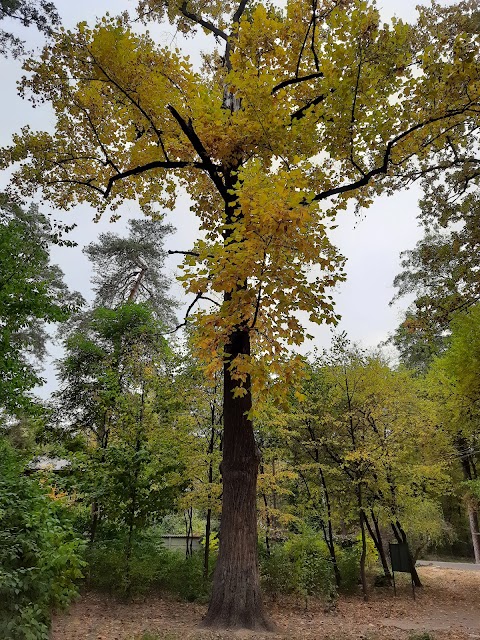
371 243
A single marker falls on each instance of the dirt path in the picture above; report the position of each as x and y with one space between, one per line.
448 606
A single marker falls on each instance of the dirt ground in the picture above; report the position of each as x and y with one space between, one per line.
448 608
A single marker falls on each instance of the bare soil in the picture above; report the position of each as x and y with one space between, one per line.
448 608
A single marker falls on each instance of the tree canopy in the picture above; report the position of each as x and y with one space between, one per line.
297 111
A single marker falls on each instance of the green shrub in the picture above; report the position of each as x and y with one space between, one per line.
348 561
151 567
300 566
40 556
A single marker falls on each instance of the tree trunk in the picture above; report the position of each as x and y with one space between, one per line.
363 557
206 555
328 535
473 520
376 536
236 600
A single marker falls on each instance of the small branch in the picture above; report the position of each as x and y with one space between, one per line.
203 23
314 28
286 83
239 12
156 164
300 113
198 297
184 253
353 118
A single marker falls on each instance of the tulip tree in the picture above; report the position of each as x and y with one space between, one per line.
299 108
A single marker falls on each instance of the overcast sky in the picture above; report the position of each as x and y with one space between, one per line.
372 242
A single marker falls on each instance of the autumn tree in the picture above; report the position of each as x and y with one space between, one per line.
362 437
441 270
452 382
298 110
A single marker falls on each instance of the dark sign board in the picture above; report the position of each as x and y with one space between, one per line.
400 558
401 562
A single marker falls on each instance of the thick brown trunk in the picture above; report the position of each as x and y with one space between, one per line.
236 600
474 531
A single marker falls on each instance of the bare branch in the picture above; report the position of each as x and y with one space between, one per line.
199 296
184 253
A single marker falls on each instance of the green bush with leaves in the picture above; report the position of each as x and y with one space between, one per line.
40 556
150 567
300 566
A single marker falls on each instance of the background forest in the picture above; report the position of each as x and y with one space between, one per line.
355 450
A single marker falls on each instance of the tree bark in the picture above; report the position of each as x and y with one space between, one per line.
236 600
474 531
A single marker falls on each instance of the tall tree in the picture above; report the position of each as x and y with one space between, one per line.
453 383
442 270
130 269
112 378
32 294
297 110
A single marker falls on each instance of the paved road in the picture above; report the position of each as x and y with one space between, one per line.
458 566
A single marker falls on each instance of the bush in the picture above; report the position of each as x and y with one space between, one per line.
300 566
151 567
40 556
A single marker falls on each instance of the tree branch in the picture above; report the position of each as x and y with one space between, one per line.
156 164
207 164
296 80
300 113
383 168
184 253
239 12
198 297
203 23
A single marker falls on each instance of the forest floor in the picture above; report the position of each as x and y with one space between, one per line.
447 608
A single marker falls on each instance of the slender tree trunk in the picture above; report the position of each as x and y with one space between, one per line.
330 542
208 526
267 517
96 512
378 542
206 555
470 473
95 519
474 531
187 516
236 600
363 557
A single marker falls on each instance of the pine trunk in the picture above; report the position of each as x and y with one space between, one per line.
236 600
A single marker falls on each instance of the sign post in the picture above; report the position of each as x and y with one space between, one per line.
401 562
